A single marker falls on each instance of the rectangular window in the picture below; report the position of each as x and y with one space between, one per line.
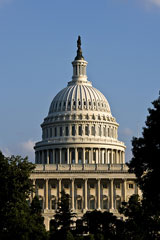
80 130
79 185
50 132
60 131
86 130
66 185
104 185
67 131
92 185
73 130
55 132
53 203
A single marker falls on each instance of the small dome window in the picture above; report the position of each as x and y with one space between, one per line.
69 103
90 103
84 102
60 104
74 103
64 104
79 103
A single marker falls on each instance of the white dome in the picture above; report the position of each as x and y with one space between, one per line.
79 97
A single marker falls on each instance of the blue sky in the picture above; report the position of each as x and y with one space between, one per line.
120 41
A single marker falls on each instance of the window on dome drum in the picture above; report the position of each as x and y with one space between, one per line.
60 131
131 185
73 130
55 132
84 103
53 203
104 131
64 104
86 130
80 130
46 132
79 103
50 132
69 103
67 131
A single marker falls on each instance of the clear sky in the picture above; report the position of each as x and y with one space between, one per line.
120 41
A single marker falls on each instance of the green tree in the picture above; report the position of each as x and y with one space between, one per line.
145 162
63 218
16 216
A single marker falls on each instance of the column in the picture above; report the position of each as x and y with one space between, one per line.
117 160
99 194
123 158
111 193
83 155
102 155
99 155
124 190
73 194
106 160
76 159
53 154
111 156
60 156
68 162
46 197
85 194
59 188
47 156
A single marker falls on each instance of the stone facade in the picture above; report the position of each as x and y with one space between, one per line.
80 151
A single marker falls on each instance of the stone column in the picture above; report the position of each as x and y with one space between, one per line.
111 193
59 188
124 190
46 197
112 155
117 160
99 155
76 159
68 162
83 155
106 159
72 194
47 156
85 194
60 155
123 158
99 194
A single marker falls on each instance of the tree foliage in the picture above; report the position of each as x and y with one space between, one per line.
18 220
146 159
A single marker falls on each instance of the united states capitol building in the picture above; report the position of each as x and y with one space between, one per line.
80 151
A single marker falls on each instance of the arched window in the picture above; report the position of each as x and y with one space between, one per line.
118 202
79 203
92 202
105 202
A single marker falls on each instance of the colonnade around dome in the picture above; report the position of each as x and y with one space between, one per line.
80 155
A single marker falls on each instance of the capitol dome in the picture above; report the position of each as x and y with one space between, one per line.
80 151
79 97
79 127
